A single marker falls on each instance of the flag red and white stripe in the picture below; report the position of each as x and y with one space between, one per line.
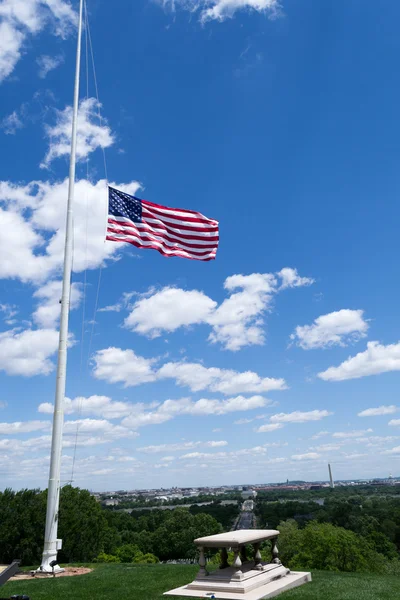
171 231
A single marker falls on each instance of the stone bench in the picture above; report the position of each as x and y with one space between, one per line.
237 541
244 579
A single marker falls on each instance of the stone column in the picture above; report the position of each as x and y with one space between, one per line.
237 564
224 559
202 562
257 557
275 553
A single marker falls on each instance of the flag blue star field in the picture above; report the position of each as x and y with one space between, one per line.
171 231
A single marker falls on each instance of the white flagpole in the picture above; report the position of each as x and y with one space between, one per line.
51 543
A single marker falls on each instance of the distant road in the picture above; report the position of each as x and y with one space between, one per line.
246 520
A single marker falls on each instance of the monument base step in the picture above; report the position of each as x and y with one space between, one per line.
267 590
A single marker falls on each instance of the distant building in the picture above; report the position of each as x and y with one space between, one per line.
249 494
111 502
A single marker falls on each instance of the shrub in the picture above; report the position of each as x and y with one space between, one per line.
106 558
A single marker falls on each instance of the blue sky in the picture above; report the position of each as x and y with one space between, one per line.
282 123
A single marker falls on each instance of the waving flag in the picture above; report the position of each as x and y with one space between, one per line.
171 231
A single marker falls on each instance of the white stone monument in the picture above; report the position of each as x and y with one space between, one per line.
244 579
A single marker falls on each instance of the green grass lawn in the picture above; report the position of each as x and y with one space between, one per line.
148 582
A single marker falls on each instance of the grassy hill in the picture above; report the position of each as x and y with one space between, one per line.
148 582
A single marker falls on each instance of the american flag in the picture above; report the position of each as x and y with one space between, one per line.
171 231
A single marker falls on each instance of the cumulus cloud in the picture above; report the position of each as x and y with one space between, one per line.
334 329
124 366
320 434
376 359
28 352
307 456
356 433
38 212
139 414
11 123
22 20
376 412
48 63
179 446
23 427
225 457
99 406
48 312
169 309
290 278
300 417
269 427
9 311
170 409
219 10
90 134
328 447
226 381
236 322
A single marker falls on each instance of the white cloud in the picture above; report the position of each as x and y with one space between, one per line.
48 63
380 410
290 278
376 359
123 366
197 377
219 10
351 434
90 134
395 450
38 211
11 123
169 309
395 422
269 427
328 447
48 312
222 407
9 311
225 457
307 456
19 257
180 446
300 417
21 19
95 426
334 329
236 322
169 409
319 435
99 406
23 427
27 352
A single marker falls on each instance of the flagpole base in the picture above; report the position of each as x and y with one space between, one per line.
50 564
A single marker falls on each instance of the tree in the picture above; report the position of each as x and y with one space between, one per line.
327 547
22 524
83 526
